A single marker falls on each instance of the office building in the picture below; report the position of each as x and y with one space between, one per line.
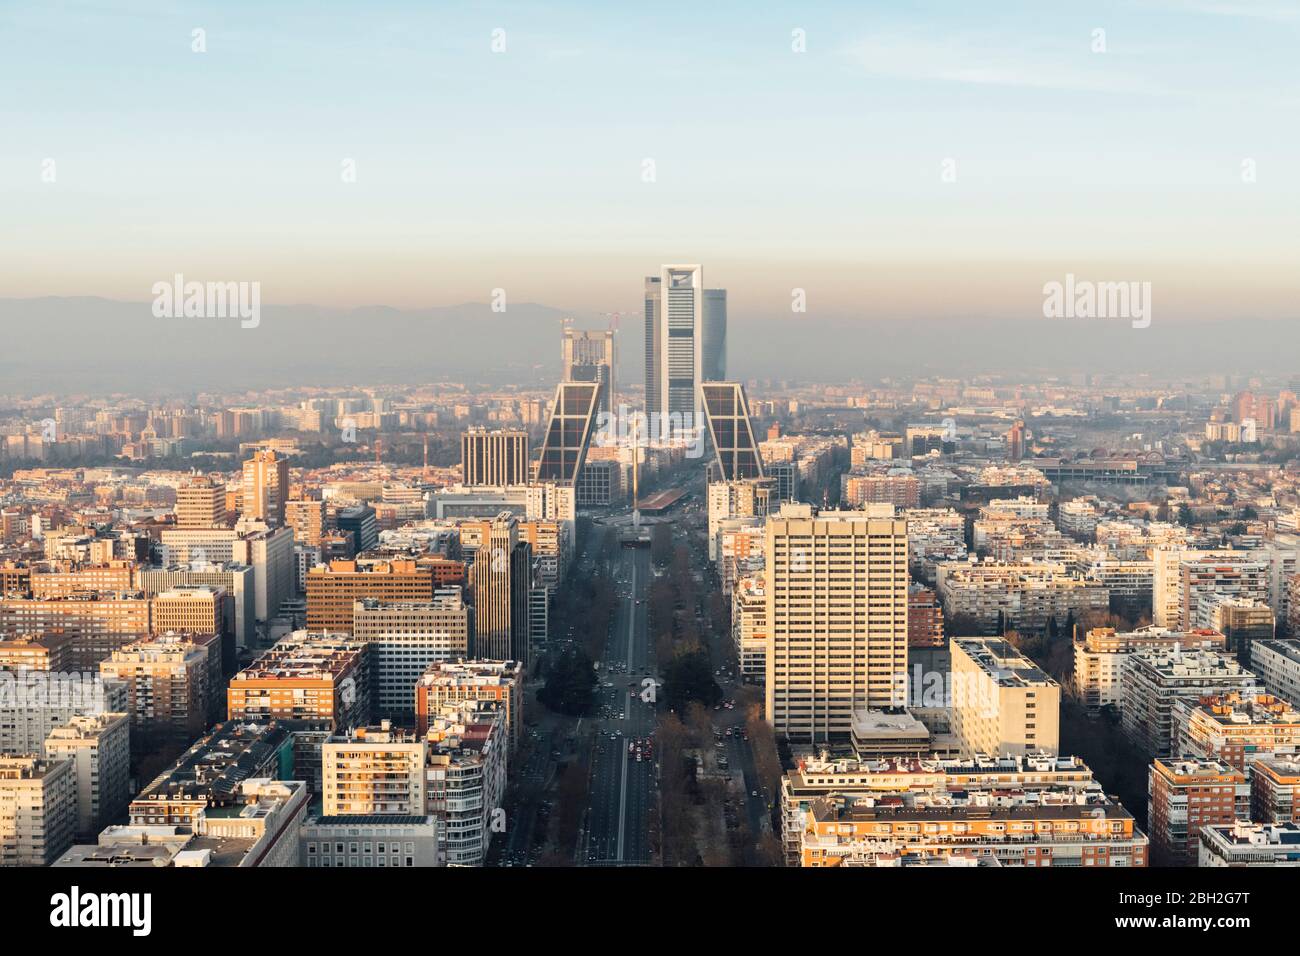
685 338
404 639
588 356
501 578
494 457
837 612
568 434
386 841
333 589
726 411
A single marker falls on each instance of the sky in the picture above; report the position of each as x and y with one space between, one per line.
915 160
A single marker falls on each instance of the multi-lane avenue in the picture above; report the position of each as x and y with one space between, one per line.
622 785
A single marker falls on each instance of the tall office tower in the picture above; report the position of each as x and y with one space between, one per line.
653 322
590 357
680 347
726 409
714 360
201 503
569 432
1016 441
686 343
837 614
266 487
495 458
501 578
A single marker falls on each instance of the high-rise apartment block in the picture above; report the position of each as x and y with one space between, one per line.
1002 703
374 770
173 685
1184 795
38 809
265 487
99 749
201 503
307 681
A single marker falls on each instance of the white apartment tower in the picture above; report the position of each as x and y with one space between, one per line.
837 618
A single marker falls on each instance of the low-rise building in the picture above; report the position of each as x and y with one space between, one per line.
1250 844
383 840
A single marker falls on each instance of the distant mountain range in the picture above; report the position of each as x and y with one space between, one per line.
94 344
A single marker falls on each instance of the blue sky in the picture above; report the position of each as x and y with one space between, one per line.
523 169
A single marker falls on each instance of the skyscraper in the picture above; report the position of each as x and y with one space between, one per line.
686 343
569 431
501 578
590 357
727 412
837 618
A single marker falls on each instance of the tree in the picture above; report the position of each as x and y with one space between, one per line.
661 544
687 678
570 683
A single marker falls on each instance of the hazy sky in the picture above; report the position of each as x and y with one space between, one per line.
524 169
